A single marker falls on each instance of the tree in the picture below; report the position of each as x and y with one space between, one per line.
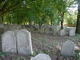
78 19
61 6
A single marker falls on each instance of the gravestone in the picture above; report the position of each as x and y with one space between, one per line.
68 48
41 30
62 32
9 42
8 27
46 30
41 56
42 26
24 44
15 27
72 32
67 29
19 27
1 25
23 27
36 27
1 28
55 31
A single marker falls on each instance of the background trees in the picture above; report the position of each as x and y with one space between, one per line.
37 12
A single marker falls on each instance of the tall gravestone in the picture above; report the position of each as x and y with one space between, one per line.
9 42
68 48
24 44
72 32
41 56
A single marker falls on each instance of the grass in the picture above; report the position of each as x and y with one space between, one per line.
3 53
17 58
76 56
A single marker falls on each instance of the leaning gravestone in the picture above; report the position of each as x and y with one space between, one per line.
72 32
9 42
41 56
24 44
62 32
68 48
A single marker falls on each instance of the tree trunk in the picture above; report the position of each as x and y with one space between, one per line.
2 19
78 20
58 21
62 16
51 22
10 17
39 23
18 19
29 22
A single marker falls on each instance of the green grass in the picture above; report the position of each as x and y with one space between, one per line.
3 53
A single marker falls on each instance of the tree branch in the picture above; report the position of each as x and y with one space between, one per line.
4 6
1 1
7 9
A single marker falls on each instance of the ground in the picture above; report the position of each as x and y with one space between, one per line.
44 43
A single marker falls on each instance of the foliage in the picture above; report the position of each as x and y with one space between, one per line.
77 54
35 11
69 18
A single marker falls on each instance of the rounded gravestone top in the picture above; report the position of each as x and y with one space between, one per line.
41 56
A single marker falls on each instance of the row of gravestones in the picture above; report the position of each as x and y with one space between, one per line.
8 27
57 31
19 42
47 29
64 32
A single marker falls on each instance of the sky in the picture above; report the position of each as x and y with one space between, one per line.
74 8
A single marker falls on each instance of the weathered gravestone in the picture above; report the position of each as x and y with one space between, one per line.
72 32
36 27
24 44
41 56
62 32
23 26
19 27
68 48
42 26
1 28
41 30
15 27
1 25
9 42
67 29
46 30
55 31
7 27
